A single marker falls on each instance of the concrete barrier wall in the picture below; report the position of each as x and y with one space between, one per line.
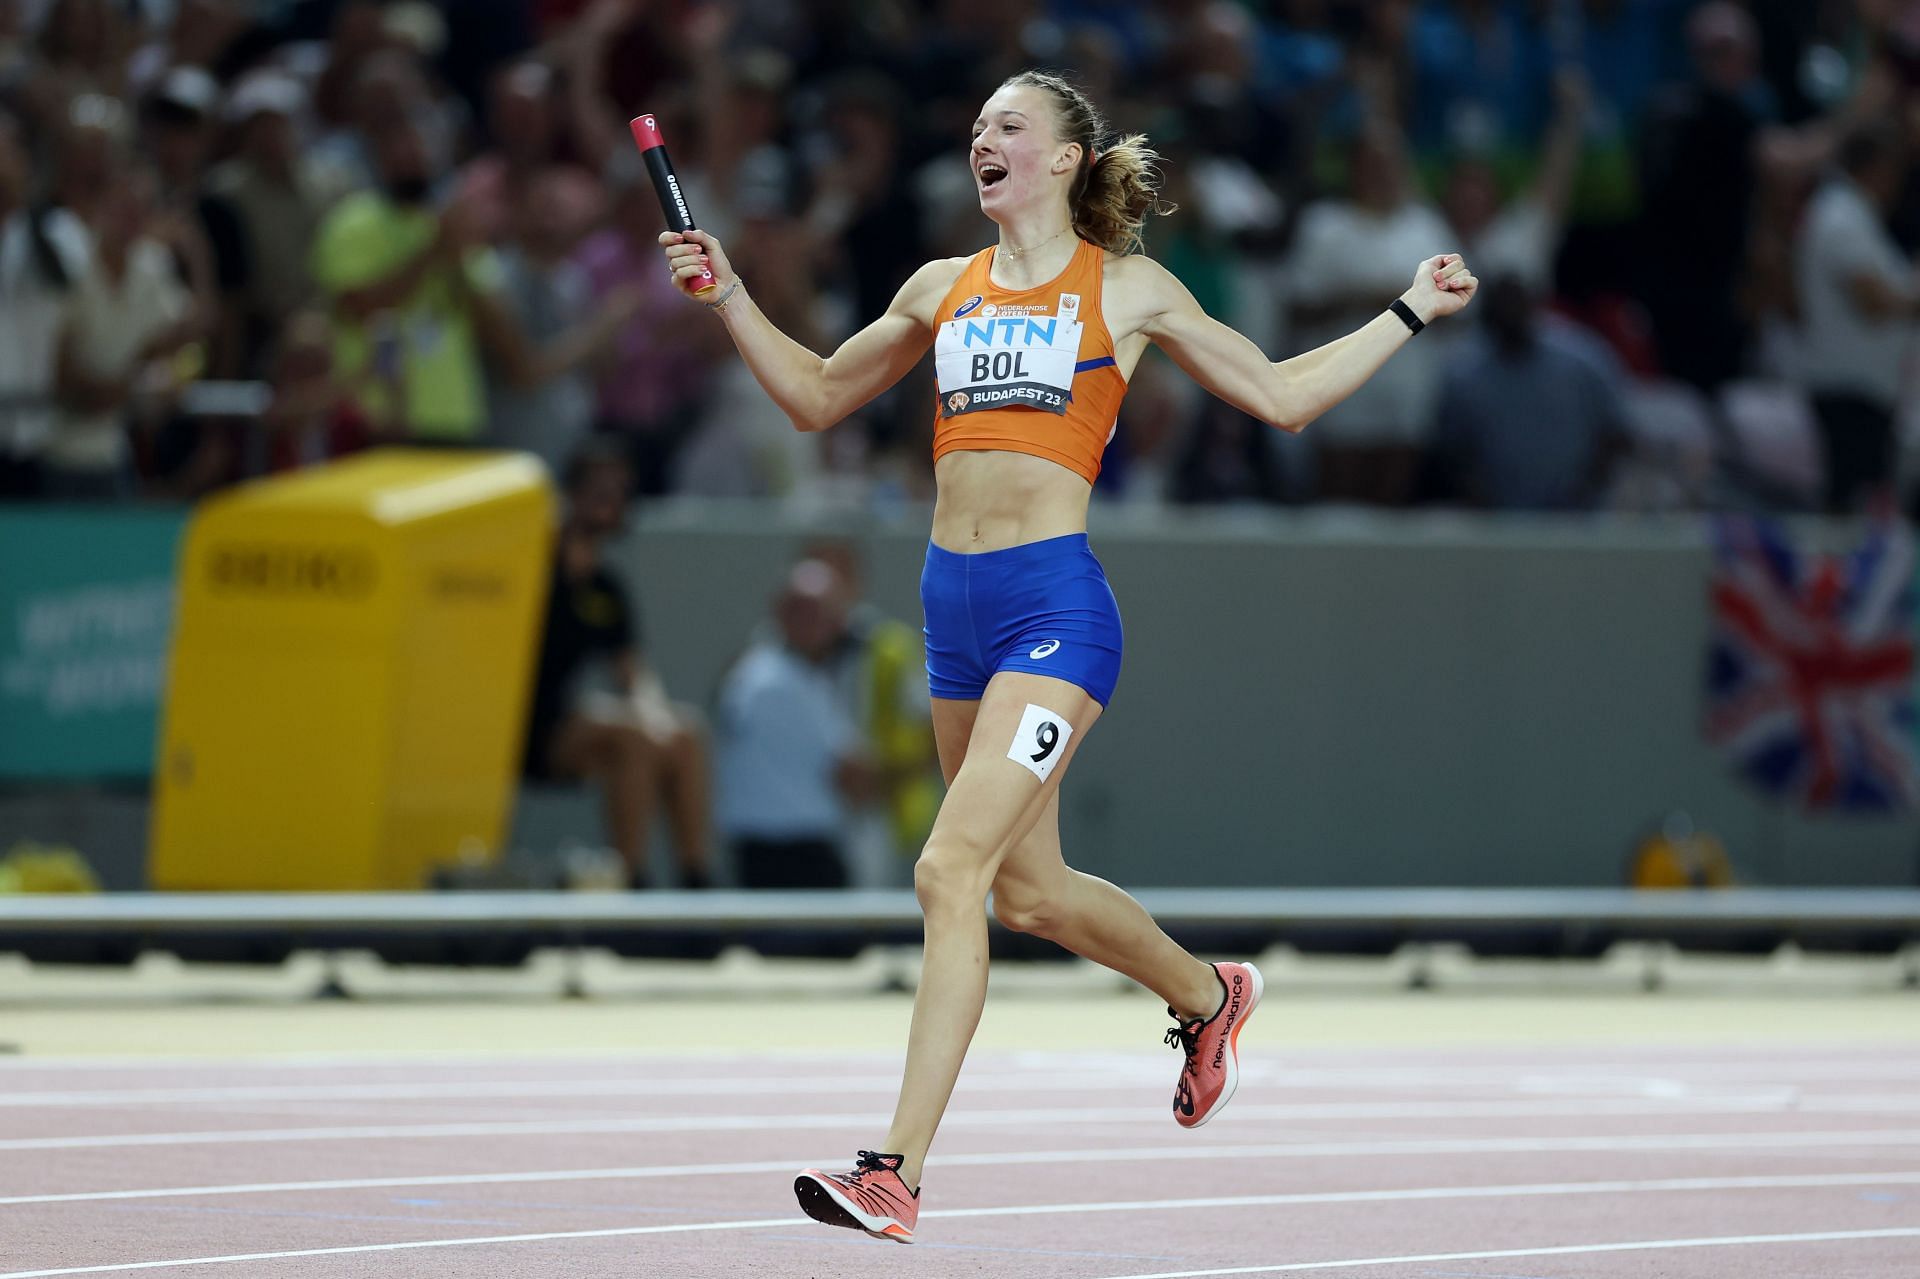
1331 697
1318 698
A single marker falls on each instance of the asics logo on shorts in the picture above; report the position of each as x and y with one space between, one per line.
1045 650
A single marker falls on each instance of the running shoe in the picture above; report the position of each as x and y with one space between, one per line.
1212 1047
871 1197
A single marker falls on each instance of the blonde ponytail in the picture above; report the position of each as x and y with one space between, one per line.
1116 195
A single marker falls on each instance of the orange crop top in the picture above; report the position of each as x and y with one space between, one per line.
1030 371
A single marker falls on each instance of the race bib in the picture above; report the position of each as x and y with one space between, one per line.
1040 742
997 361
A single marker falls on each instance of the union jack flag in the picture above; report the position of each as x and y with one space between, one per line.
1809 675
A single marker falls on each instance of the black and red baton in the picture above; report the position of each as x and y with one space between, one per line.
653 150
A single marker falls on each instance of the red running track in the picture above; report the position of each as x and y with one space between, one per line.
1675 1163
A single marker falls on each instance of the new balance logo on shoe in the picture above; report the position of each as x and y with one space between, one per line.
1233 1015
1211 1073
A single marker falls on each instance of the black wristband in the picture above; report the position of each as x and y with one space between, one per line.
1405 312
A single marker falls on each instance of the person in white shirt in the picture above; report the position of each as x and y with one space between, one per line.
128 323
1858 301
1520 237
791 763
1344 270
42 253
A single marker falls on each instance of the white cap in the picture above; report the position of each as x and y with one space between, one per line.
270 91
189 88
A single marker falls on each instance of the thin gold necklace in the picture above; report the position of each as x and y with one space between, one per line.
1014 251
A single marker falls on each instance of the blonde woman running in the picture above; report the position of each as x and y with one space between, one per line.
1034 340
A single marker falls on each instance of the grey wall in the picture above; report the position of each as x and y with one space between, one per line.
1322 698
1333 697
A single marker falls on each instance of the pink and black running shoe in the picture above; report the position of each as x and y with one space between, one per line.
872 1197
1212 1046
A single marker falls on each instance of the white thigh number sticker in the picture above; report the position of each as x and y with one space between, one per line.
1040 741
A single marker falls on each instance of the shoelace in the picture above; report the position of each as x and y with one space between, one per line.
1186 1038
870 1162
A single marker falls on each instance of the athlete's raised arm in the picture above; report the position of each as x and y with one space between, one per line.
1294 392
812 390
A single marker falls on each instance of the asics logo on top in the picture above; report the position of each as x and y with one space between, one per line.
1045 650
967 306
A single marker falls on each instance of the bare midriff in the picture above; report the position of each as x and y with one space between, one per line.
990 500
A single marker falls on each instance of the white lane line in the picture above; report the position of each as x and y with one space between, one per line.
1545 1189
1843 1103
1564 1250
1501 1070
1020 1118
508 1089
410 1245
1646 1098
1139 1154
1635 1089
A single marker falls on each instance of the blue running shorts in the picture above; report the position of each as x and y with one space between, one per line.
1044 607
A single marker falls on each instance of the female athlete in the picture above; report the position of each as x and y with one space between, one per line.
1034 340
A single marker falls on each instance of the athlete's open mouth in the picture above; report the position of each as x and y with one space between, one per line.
991 174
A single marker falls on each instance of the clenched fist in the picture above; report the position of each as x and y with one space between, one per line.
1442 286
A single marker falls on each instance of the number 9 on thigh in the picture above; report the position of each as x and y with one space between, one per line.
1041 740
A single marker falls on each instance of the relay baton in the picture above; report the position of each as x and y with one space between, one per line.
653 150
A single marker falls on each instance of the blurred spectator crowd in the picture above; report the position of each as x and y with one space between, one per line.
238 237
